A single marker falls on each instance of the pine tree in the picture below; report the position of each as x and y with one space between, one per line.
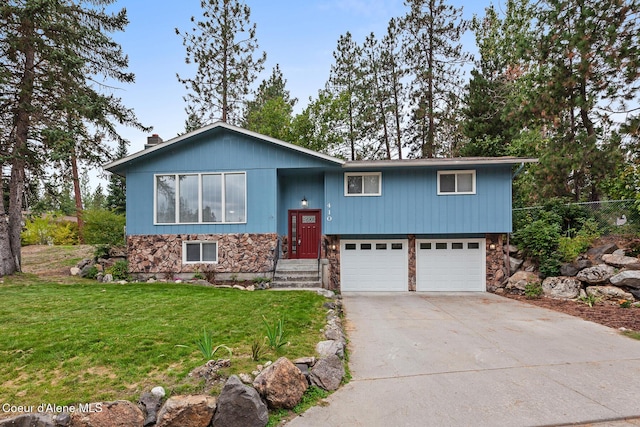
116 190
589 60
221 45
344 83
434 58
271 111
52 53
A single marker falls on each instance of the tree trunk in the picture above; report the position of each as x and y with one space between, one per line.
77 195
7 262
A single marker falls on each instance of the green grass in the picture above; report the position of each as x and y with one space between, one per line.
632 334
83 341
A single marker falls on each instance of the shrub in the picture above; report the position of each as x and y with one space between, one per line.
533 290
119 270
92 272
571 247
102 226
539 239
47 230
37 231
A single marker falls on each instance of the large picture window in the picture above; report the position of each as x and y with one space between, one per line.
201 198
456 182
363 184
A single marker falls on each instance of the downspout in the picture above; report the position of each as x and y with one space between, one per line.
517 172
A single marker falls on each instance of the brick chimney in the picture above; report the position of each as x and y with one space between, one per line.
152 141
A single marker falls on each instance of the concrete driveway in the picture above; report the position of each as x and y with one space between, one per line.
477 359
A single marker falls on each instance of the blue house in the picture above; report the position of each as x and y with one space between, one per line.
236 203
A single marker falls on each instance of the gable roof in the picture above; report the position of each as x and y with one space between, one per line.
117 164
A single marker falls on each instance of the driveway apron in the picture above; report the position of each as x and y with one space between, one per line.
478 359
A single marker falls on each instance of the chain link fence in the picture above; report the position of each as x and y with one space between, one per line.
617 217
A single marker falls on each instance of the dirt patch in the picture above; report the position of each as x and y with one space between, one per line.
608 314
44 260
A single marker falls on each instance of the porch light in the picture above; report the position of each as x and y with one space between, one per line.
492 246
304 202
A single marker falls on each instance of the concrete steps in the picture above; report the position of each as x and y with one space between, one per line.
296 273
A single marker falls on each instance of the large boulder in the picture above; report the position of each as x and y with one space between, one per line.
629 278
192 411
29 420
612 293
120 413
622 261
150 404
240 406
329 347
562 287
596 275
521 279
598 251
281 384
327 373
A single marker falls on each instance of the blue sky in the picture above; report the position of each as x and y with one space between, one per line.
300 35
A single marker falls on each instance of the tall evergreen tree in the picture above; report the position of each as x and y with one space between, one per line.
589 53
117 189
271 111
344 83
221 45
52 53
434 57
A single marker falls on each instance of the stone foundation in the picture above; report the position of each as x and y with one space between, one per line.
237 254
333 255
496 270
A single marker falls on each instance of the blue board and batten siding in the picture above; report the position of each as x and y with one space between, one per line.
217 152
278 177
410 204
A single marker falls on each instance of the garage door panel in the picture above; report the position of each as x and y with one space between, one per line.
374 265
450 265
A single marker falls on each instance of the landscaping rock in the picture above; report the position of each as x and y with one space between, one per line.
622 261
629 278
209 371
158 391
309 361
74 271
328 373
326 293
510 249
240 406
281 384
108 278
612 293
29 420
598 251
514 263
192 411
245 378
520 279
329 347
561 287
568 270
120 413
596 275
150 404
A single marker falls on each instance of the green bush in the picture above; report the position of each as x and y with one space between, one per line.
539 239
47 230
103 227
533 290
92 272
570 247
119 270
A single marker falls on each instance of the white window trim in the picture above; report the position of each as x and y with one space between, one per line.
200 242
177 201
456 173
362 174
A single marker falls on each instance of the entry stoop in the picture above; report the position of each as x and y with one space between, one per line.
297 273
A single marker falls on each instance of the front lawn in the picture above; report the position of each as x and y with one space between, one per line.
83 342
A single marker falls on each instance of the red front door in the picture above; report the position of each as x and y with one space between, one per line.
304 234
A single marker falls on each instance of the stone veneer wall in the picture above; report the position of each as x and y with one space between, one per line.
237 253
412 262
496 271
333 255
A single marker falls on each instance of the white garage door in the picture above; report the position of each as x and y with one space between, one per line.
374 265
450 265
